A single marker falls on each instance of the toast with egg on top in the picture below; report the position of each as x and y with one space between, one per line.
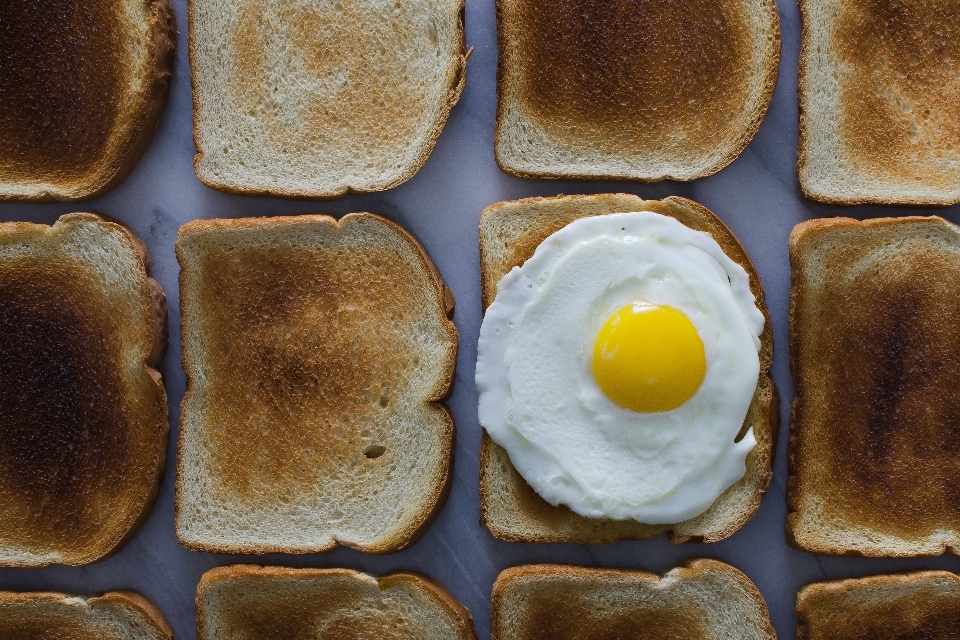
115 615
703 599
873 458
317 352
899 606
510 232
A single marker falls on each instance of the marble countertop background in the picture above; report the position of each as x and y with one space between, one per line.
758 196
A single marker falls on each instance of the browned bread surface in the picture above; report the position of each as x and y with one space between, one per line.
82 88
115 615
631 90
83 413
907 606
878 102
247 601
702 599
509 234
875 432
316 352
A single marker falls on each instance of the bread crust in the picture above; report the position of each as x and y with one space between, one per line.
509 507
64 615
194 361
912 604
870 457
135 125
105 395
525 597
287 620
452 96
513 62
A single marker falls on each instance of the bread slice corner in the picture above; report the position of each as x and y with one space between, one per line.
112 615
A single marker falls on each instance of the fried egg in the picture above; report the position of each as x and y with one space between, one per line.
616 367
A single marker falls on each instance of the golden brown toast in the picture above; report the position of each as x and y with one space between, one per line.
316 354
509 234
901 606
874 437
878 102
631 90
83 413
702 599
82 88
248 601
115 615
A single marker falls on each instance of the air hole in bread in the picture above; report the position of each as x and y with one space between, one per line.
374 451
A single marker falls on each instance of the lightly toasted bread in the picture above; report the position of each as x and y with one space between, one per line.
248 601
82 88
83 413
509 234
903 606
873 465
631 90
314 99
702 599
879 121
115 615
316 354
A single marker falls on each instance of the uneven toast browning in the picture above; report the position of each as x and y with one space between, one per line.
243 601
878 91
509 234
700 599
317 99
875 429
82 88
631 90
904 606
115 615
316 353
83 413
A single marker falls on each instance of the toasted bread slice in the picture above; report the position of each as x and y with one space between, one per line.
314 99
509 234
82 88
904 606
701 599
879 121
631 91
248 601
83 413
316 352
115 615
873 458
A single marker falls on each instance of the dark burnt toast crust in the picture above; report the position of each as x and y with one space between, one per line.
64 76
282 602
84 443
875 433
534 519
633 76
901 606
287 283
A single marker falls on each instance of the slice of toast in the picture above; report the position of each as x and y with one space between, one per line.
631 90
903 606
313 99
82 88
700 599
875 431
878 102
316 353
509 234
115 615
83 413
249 601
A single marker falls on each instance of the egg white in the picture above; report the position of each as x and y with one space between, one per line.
540 401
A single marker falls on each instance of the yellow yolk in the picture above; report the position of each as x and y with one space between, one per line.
648 358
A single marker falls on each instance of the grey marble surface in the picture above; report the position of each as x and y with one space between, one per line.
757 196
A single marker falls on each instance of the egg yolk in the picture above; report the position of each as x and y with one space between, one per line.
648 358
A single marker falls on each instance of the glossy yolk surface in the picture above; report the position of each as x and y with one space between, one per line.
648 358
